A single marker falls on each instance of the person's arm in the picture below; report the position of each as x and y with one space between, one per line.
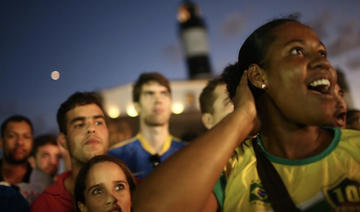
185 181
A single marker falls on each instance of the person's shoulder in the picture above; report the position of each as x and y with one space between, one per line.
349 136
41 203
12 200
350 133
123 143
54 195
58 186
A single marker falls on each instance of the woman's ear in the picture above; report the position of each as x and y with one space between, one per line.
257 77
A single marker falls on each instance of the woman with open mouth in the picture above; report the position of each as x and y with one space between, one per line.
285 80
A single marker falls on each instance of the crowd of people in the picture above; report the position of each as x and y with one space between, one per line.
280 137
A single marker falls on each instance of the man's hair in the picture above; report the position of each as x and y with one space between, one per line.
207 96
146 78
43 140
77 99
80 184
15 118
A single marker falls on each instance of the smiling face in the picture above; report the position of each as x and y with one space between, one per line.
299 79
18 141
106 189
154 104
87 134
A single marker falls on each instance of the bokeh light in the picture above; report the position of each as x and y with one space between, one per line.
131 111
114 112
177 107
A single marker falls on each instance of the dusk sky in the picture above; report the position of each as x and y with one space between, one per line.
97 45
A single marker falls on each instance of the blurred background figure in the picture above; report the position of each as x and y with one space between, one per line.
11 200
1 148
214 100
353 119
17 137
104 183
340 108
45 155
44 160
153 143
119 130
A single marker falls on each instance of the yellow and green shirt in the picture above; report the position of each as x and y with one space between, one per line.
318 183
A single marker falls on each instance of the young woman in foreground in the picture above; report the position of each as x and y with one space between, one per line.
285 80
104 183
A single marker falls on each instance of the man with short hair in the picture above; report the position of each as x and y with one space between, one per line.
17 138
46 154
153 143
215 103
44 160
84 133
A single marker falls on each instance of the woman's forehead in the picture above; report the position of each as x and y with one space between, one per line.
294 31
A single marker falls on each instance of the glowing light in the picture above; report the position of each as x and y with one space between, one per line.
177 107
113 112
55 75
183 14
131 111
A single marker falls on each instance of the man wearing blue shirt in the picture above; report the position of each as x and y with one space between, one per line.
153 143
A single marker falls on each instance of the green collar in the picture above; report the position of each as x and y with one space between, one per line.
334 142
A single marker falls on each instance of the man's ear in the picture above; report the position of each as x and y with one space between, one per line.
257 76
31 160
207 119
61 140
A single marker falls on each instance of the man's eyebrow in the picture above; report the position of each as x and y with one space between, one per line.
77 119
148 92
99 117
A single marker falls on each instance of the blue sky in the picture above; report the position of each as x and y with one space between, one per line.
101 44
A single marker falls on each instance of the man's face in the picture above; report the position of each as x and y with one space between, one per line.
222 106
18 141
47 159
87 133
154 104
